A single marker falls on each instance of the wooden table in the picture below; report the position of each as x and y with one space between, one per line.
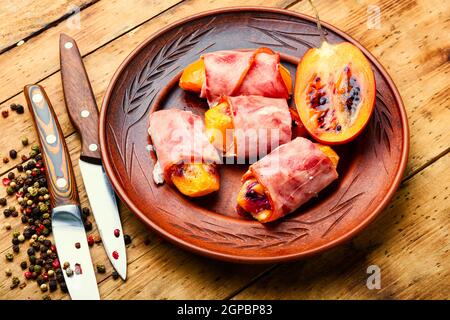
410 241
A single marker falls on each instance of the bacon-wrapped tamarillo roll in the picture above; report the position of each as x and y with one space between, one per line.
286 178
232 73
248 126
186 158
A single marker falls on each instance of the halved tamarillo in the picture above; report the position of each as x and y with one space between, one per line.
334 92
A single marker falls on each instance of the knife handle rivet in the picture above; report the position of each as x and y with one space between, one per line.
68 45
51 139
93 147
84 113
37 98
61 182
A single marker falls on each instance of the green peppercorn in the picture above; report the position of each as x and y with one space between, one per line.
24 141
43 207
35 147
9 256
46 297
16 234
101 268
10 190
32 154
43 191
15 282
46 216
37 269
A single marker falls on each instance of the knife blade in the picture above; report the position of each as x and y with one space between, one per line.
83 112
67 225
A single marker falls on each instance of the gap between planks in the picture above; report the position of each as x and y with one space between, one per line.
92 51
49 25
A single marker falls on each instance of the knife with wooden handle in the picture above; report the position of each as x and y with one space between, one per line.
83 112
67 225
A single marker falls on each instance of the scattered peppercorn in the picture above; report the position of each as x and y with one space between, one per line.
24 157
115 275
69 272
5 113
77 245
24 141
13 154
8 272
7 226
6 213
116 233
20 109
66 265
90 240
9 256
15 282
13 106
24 265
101 268
3 202
127 239
87 225
5 160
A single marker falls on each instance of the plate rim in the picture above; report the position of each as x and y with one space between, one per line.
241 258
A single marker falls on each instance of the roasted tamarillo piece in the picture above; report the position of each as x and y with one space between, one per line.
334 92
195 179
194 75
285 179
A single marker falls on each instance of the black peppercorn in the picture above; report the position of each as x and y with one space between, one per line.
24 220
16 248
40 262
11 175
44 248
47 243
31 268
6 213
15 241
23 265
32 259
13 106
14 214
63 287
87 225
20 109
3 202
126 239
52 285
40 280
59 278
13 154
20 168
115 275
31 251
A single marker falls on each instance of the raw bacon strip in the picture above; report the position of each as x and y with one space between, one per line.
179 136
260 124
264 77
291 175
224 72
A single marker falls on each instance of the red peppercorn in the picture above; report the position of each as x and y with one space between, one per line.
28 275
77 245
45 277
117 233
55 264
19 194
115 255
5 113
53 248
90 240
6 181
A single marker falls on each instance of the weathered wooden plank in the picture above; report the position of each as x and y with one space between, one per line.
196 273
98 24
21 19
412 45
410 243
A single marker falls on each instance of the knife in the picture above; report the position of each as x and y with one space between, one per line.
67 226
83 112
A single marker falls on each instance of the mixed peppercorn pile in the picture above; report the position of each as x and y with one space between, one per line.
29 187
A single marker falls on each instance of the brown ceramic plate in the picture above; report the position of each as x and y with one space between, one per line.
370 170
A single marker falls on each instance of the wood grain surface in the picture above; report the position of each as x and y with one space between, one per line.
409 241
